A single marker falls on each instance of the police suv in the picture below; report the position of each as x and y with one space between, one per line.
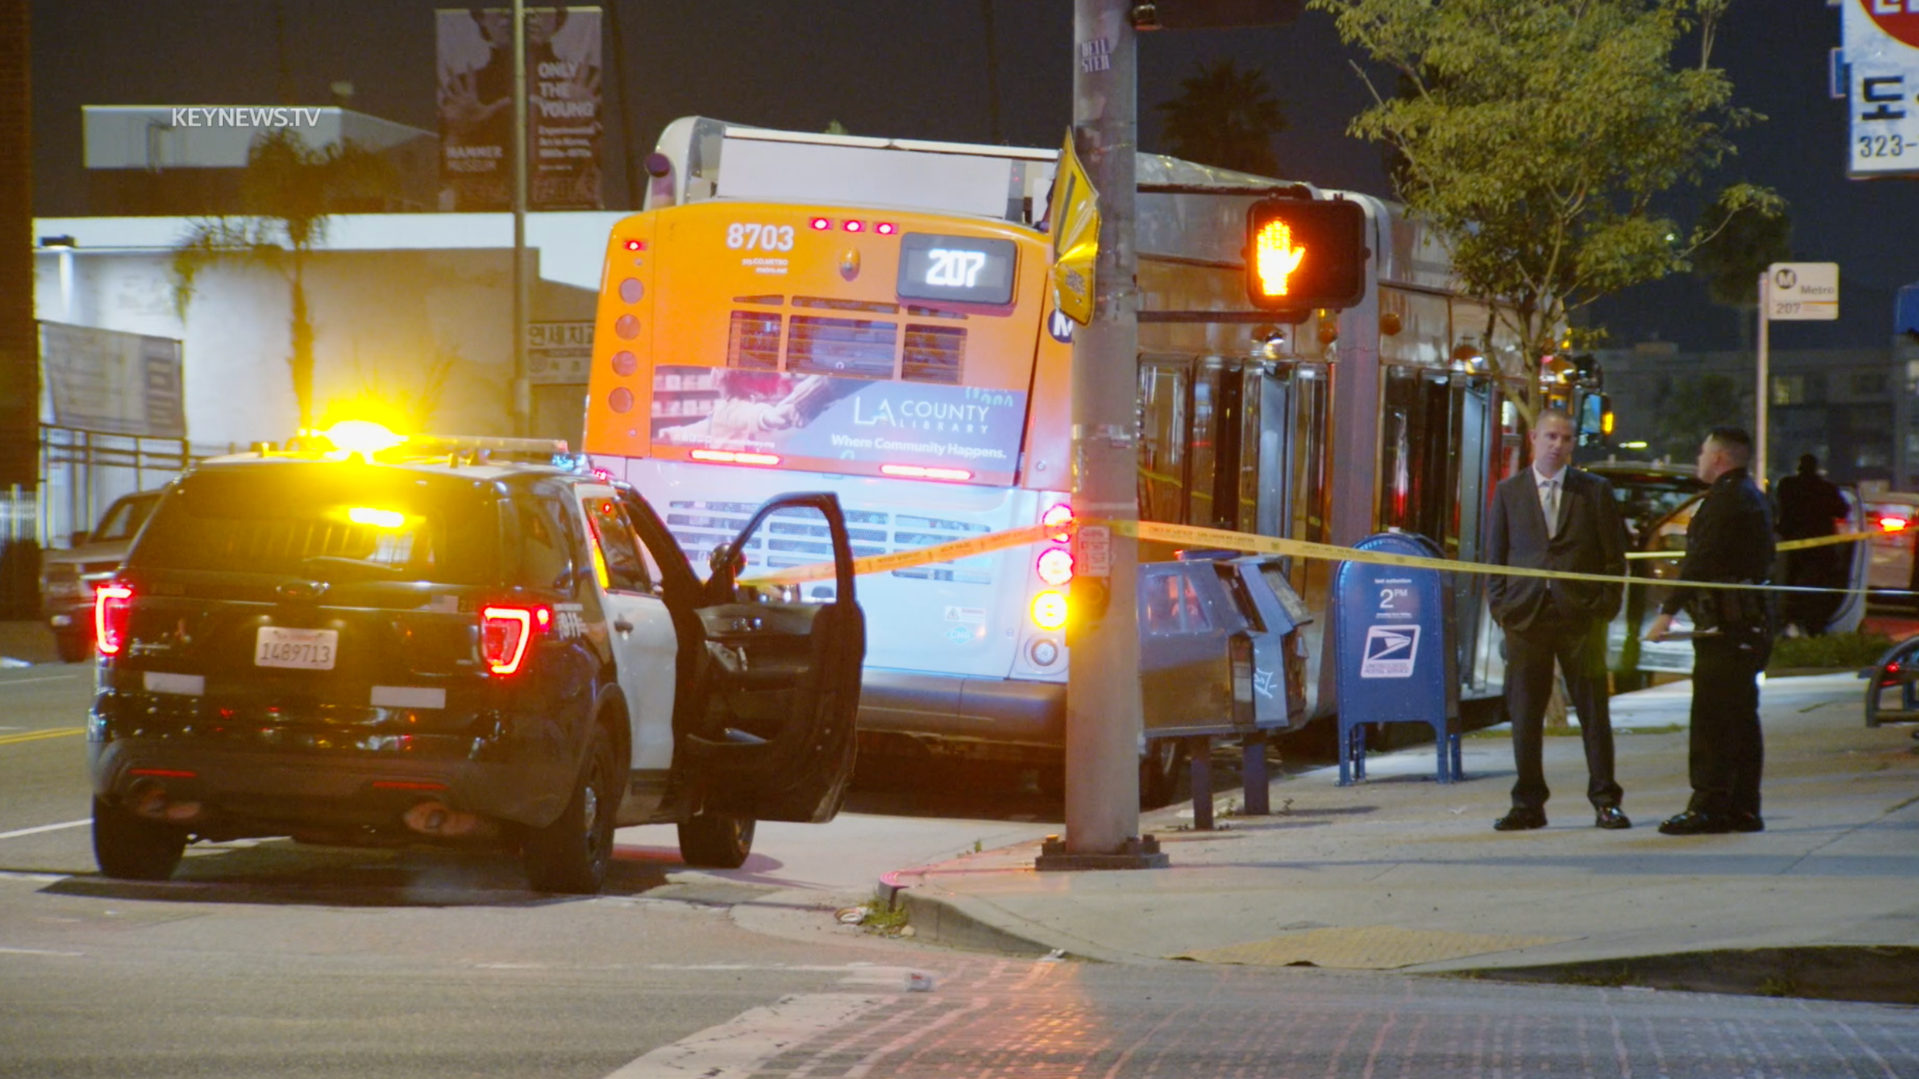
367 641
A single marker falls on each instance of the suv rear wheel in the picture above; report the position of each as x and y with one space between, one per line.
134 848
716 840
571 854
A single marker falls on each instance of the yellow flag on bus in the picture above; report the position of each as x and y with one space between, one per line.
1074 216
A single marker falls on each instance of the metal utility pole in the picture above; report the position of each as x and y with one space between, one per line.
522 392
19 339
1103 695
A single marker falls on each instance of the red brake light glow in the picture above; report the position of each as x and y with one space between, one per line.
636 245
504 634
1059 517
735 457
853 225
1893 524
112 604
821 224
921 472
886 228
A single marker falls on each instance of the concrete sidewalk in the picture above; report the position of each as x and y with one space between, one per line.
1400 872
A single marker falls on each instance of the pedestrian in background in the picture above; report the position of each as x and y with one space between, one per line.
1809 507
1729 541
1552 516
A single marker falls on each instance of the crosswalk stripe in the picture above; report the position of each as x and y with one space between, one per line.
736 1048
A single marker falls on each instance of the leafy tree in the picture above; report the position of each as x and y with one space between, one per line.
287 192
1537 136
1742 246
1225 117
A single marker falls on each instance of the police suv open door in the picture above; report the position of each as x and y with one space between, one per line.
770 731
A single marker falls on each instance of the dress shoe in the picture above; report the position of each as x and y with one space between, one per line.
1695 823
1747 822
1521 819
1611 819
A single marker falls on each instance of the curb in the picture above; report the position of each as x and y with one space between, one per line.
958 923
1863 973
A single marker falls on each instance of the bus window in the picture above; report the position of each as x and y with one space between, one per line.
856 347
1162 443
1205 446
934 354
753 341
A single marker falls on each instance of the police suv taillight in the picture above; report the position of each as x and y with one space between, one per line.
505 632
112 607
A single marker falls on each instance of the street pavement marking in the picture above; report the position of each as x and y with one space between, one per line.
44 828
35 736
41 678
40 951
33 878
738 1047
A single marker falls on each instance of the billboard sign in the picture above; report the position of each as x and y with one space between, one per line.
1881 43
558 353
112 382
833 423
564 116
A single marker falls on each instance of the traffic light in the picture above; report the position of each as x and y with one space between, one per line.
1303 254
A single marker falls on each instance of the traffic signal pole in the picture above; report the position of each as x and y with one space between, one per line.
1103 694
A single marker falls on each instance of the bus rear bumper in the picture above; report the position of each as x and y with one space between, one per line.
950 708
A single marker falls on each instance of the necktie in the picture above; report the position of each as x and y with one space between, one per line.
1549 501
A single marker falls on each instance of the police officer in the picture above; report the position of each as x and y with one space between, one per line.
1729 540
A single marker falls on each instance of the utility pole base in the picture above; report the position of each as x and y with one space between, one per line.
1137 852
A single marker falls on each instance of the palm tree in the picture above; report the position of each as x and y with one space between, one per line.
1225 117
287 192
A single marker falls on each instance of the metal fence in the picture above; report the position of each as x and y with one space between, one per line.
82 472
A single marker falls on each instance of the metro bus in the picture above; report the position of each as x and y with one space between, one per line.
876 316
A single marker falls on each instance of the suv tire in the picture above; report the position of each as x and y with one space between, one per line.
716 840
134 848
571 855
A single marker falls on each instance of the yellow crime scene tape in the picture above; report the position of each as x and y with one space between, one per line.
1195 536
1789 545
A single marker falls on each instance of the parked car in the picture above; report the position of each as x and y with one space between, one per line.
1894 518
68 578
462 642
1647 490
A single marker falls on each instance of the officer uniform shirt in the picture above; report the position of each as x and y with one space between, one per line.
1730 538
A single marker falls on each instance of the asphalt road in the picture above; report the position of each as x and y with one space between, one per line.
270 958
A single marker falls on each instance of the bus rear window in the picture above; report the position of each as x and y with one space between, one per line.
860 348
753 341
933 354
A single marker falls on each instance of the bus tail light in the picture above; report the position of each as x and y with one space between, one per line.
1058 517
886 228
821 224
735 457
925 472
1049 610
1055 566
112 607
1892 524
505 632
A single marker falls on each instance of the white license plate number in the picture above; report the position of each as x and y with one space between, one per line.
298 649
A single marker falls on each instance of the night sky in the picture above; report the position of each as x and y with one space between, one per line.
917 69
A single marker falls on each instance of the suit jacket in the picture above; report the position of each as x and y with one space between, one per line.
1591 538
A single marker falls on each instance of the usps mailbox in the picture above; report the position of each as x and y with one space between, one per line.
1393 633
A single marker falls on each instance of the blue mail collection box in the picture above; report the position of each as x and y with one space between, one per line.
1393 641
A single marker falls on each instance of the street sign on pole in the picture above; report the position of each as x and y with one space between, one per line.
1788 292
1881 52
1802 291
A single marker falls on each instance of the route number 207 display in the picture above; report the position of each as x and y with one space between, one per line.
759 237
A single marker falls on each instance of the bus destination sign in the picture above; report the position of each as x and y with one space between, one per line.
958 269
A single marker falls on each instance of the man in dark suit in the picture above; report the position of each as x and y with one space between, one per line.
1552 516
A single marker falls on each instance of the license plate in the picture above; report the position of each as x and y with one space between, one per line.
299 649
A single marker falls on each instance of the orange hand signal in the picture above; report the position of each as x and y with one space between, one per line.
1276 257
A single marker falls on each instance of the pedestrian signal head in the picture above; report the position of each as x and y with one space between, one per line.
1303 254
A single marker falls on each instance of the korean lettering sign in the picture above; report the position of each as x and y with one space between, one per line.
1882 50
